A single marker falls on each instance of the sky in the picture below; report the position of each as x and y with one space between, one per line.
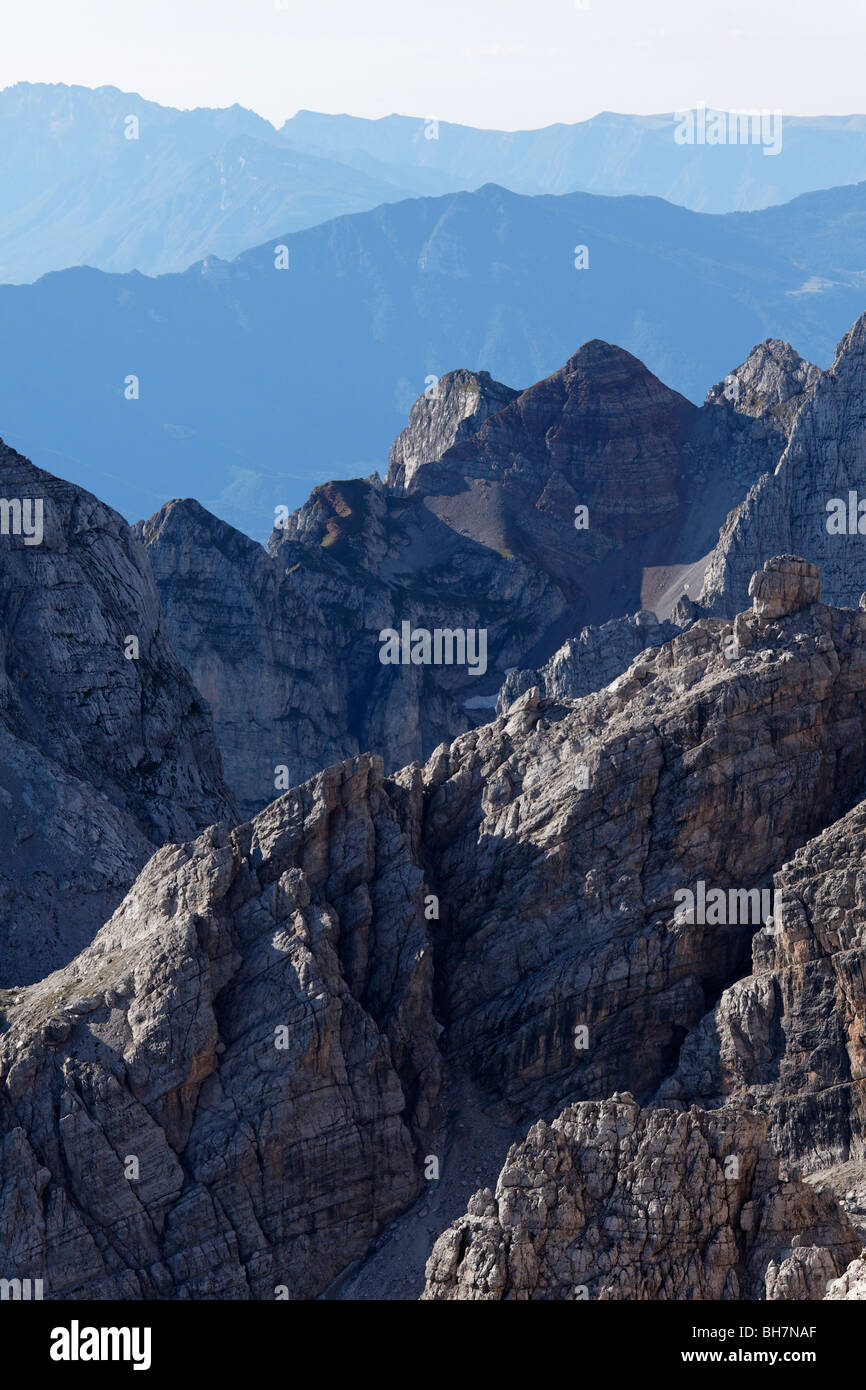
504 64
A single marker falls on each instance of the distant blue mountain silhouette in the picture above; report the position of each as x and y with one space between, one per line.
75 191
611 153
257 383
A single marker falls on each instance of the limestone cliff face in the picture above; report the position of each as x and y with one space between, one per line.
788 509
286 647
104 757
790 1038
558 835
226 1092
260 641
614 1202
266 1021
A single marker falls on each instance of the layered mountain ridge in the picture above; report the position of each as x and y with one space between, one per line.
114 162
220 383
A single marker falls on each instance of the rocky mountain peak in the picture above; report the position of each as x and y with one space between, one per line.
343 517
453 408
603 380
773 380
533 516
852 347
602 432
596 355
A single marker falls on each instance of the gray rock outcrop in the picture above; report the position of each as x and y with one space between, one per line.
771 385
850 1285
614 1202
105 756
785 585
589 661
225 1094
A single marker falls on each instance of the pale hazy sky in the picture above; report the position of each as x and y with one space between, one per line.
499 63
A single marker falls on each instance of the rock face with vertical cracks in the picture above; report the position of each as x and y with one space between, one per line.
226 1092
614 1202
107 750
504 914
790 1038
558 836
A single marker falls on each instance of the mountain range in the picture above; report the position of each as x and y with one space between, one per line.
108 179
105 178
612 153
243 383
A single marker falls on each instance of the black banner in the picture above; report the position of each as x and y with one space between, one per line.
226 1339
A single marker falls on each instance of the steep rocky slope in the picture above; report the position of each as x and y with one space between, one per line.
691 766
790 1038
225 1093
286 647
591 660
260 643
104 756
493 917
